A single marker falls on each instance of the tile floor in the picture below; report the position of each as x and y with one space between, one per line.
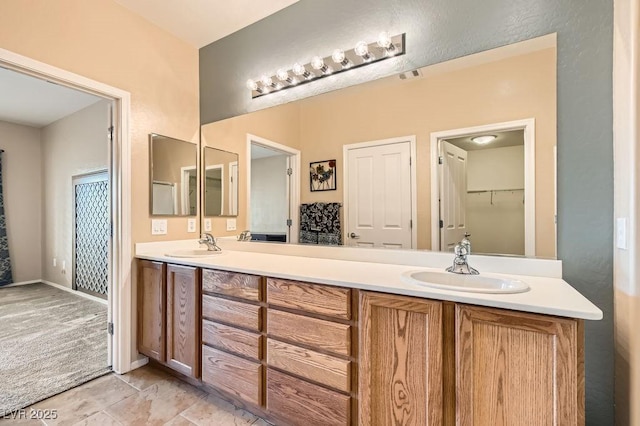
145 396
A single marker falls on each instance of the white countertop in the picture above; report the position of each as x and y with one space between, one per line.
546 295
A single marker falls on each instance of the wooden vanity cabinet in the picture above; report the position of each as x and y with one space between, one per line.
401 369
232 341
431 362
311 353
169 315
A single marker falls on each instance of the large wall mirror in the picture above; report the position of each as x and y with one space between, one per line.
220 182
174 177
412 161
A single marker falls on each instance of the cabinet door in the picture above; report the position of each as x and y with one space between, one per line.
183 320
151 309
400 373
515 368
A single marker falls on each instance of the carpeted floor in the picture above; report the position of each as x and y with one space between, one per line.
50 341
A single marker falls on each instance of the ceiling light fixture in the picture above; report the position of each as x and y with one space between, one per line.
484 139
362 54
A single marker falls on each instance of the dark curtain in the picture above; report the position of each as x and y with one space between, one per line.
6 277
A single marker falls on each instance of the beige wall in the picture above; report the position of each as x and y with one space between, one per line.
169 157
626 103
22 187
101 40
280 124
72 146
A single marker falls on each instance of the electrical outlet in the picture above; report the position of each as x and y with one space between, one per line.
64 267
207 225
191 225
158 226
55 262
231 224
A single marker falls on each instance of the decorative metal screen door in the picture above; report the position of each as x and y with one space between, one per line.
91 234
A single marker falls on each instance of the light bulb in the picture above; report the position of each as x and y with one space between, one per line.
361 48
283 75
266 80
384 40
317 63
252 85
338 56
301 71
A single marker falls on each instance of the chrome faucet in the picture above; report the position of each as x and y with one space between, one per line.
460 265
210 242
244 236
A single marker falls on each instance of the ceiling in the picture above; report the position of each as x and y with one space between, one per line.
30 101
258 151
201 22
502 140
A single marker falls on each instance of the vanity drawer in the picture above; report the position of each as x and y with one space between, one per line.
305 403
325 369
324 335
232 374
232 339
313 298
243 286
231 312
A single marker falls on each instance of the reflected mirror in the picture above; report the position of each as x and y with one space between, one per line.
386 144
220 182
174 176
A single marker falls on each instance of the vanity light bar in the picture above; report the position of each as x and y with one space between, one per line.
339 61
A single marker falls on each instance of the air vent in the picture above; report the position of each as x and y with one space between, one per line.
410 74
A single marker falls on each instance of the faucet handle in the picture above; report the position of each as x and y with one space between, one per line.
460 250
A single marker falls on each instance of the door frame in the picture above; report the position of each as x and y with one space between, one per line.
411 139
293 182
214 167
119 299
184 187
529 127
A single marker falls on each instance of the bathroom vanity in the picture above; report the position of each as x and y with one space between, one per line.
320 341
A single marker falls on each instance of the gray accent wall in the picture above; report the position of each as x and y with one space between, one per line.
439 30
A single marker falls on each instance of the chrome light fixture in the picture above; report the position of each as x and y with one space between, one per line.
363 53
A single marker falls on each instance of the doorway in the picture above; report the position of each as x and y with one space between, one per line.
380 193
119 160
484 178
273 172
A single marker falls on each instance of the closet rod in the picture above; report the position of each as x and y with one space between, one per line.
494 190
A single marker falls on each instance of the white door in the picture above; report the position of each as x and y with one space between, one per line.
453 195
379 196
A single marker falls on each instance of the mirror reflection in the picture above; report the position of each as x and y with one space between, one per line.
387 140
220 181
174 176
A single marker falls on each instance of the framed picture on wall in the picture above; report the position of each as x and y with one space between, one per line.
322 175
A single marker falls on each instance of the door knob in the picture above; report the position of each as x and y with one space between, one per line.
354 236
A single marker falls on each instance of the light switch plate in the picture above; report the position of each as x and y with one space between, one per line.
158 226
621 233
191 225
231 224
207 225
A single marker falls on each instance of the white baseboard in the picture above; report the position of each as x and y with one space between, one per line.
77 293
21 283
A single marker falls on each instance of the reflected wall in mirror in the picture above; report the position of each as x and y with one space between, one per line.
174 176
382 134
220 182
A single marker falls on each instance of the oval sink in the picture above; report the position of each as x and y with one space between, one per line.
193 253
470 283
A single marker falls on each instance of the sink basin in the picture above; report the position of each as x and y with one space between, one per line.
469 283
193 253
